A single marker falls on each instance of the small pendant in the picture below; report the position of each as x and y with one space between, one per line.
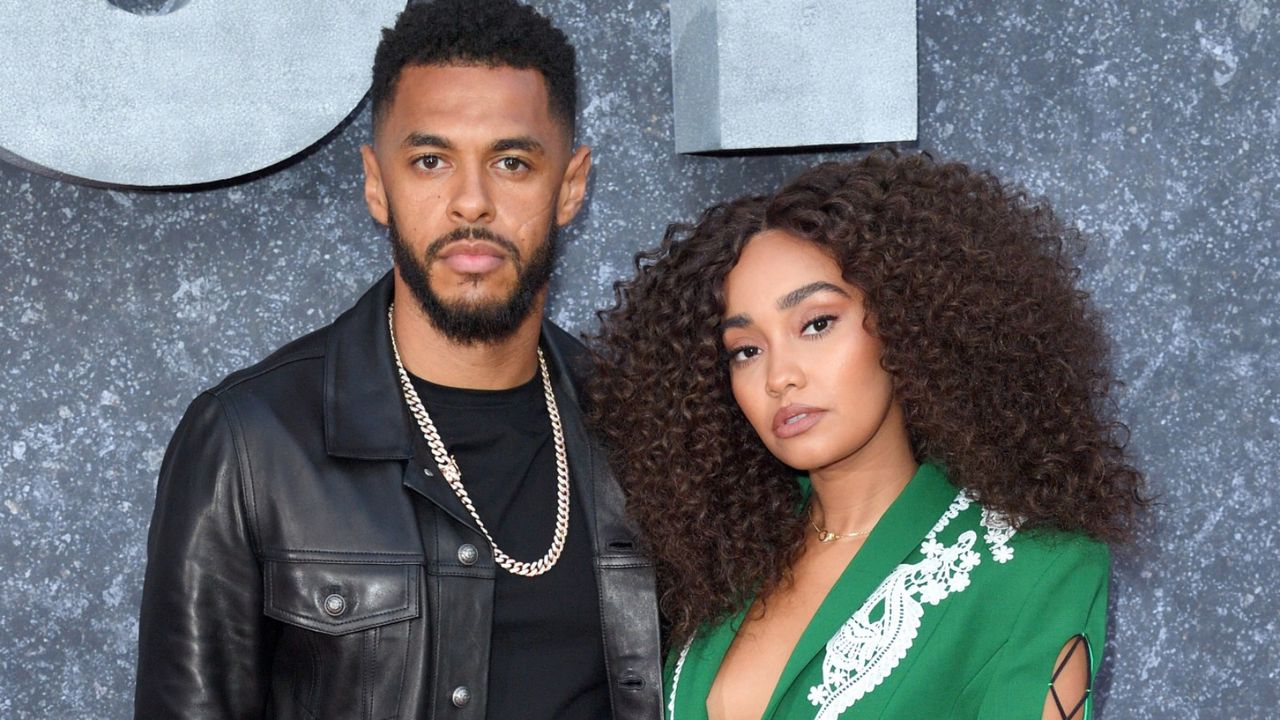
826 537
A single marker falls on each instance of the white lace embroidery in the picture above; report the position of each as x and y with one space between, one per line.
863 651
999 530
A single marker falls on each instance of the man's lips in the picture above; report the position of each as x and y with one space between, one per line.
792 420
472 257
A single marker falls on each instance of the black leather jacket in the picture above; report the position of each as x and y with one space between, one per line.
302 565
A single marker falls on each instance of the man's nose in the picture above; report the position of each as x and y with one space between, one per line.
471 201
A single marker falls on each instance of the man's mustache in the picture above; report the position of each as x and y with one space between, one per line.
438 245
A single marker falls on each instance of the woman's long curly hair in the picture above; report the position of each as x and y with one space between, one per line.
997 358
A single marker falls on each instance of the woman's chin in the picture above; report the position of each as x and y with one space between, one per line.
805 459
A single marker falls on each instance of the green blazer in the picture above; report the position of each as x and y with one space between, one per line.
945 612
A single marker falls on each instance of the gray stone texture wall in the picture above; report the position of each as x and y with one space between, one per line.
1153 125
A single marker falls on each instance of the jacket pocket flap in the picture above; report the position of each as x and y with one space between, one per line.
340 598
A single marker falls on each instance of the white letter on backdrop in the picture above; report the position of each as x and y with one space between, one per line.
211 91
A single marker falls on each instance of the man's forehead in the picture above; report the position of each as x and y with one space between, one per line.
474 73
472 93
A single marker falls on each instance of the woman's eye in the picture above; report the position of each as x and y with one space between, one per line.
743 354
818 325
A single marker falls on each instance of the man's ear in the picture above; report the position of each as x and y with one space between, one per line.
573 188
375 193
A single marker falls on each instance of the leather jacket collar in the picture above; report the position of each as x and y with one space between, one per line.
363 415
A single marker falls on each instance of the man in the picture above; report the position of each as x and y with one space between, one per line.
402 515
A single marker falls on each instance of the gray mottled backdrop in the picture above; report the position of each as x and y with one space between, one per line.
1154 125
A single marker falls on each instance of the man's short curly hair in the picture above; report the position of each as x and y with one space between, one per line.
493 33
997 358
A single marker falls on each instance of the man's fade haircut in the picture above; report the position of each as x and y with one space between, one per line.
492 33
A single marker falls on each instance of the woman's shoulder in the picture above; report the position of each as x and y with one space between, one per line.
1005 536
1034 556
1047 547
1053 578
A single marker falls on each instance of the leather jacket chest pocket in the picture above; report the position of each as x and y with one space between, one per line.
344 644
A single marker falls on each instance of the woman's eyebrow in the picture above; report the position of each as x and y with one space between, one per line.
740 320
797 296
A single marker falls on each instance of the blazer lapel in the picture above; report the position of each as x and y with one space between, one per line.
701 664
898 533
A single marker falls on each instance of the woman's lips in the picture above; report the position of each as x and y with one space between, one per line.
792 420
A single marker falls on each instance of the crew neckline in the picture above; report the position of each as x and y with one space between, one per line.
449 396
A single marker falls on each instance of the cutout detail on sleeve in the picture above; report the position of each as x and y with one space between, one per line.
1065 701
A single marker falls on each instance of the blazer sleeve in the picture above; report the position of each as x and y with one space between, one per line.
203 645
1069 598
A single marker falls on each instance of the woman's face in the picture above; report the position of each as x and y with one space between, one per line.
804 368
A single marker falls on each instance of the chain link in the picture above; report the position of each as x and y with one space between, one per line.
453 475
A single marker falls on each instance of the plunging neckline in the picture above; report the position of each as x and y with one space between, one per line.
762 645
897 534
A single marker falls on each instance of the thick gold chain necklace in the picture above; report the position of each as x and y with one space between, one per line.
452 475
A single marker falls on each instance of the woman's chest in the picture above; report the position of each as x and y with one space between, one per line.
770 631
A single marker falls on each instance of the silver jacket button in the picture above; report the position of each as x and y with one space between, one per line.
335 605
468 554
461 696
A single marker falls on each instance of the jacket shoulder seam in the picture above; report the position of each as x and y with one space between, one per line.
243 467
252 373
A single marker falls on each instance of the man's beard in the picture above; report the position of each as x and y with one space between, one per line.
483 322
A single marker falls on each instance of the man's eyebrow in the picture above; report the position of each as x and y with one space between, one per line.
427 140
737 321
797 296
525 143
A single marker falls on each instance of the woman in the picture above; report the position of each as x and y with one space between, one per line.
906 336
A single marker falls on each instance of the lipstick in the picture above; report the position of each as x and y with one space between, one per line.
792 420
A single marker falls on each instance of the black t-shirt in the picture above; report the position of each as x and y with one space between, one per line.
547 652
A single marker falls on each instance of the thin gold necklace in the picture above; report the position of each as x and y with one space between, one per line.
826 536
